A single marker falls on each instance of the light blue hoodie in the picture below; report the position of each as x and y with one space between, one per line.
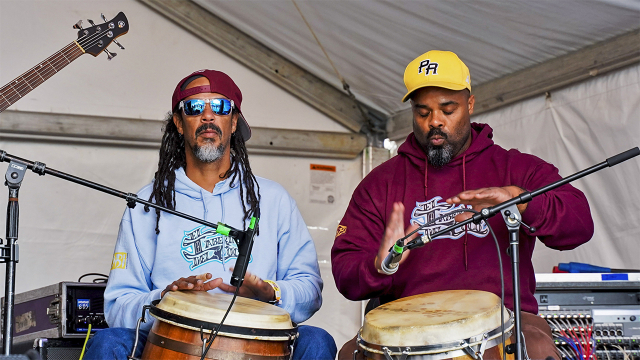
145 263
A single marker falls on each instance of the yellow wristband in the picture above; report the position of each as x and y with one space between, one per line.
276 290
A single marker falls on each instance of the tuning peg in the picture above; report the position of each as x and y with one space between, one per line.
117 43
104 18
91 22
110 55
78 25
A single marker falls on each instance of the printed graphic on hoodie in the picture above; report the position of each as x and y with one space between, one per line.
430 210
203 245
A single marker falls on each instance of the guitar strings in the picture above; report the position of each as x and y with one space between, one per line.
51 63
91 40
46 71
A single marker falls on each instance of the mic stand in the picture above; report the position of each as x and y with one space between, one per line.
513 220
9 253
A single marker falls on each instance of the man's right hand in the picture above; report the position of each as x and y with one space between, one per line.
193 282
394 231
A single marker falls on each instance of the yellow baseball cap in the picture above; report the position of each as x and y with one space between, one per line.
436 68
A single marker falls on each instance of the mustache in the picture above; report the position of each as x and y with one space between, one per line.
210 126
437 131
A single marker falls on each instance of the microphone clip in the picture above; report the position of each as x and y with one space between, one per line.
512 218
390 263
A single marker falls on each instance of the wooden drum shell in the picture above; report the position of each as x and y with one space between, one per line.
185 344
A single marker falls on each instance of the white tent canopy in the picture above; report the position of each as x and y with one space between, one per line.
371 42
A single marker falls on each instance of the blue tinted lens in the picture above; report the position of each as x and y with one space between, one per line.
221 106
194 107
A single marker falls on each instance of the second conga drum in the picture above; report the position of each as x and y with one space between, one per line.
252 330
457 324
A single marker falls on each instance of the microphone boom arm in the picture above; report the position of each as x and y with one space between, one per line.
525 197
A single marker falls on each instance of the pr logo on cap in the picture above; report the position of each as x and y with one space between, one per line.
427 66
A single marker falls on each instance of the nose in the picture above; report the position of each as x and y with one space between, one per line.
436 120
208 114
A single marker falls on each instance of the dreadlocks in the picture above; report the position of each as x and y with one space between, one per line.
172 157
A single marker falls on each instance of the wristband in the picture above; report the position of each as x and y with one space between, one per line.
276 290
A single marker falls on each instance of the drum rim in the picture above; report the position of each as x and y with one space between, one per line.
227 330
439 348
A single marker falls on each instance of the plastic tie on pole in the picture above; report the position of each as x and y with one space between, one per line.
222 229
131 200
39 168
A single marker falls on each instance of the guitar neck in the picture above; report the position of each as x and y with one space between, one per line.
23 84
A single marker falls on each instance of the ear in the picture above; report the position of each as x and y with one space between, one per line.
472 102
234 122
177 120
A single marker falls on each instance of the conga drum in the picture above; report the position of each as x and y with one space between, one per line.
457 324
185 319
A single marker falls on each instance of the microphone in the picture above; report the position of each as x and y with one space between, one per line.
391 262
244 251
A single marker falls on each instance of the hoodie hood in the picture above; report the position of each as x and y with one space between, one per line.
481 138
216 201
187 187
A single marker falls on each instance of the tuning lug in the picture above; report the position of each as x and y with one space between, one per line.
104 17
91 22
78 25
110 55
117 43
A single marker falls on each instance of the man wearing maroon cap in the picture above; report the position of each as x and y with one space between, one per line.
204 171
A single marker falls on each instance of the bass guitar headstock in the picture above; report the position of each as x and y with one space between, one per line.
95 39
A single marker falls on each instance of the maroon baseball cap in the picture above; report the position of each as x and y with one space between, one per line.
220 83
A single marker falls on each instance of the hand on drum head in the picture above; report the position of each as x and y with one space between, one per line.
194 282
252 287
394 231
484 198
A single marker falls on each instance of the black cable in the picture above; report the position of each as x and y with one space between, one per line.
99 280
214 334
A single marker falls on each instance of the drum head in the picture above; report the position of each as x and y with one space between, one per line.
211 308
434 318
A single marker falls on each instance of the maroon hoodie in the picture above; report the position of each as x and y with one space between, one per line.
463 259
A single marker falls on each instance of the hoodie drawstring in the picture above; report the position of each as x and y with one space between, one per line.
464 188
224 244
426 169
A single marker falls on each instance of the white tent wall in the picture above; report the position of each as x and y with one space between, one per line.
67 230
575 128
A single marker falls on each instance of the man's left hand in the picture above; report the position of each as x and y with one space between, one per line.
484 198
252 287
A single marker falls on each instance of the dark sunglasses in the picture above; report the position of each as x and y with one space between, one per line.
196 106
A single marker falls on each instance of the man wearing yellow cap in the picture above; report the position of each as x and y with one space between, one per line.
446 164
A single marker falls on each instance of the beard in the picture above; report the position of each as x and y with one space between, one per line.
440 155
208 152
